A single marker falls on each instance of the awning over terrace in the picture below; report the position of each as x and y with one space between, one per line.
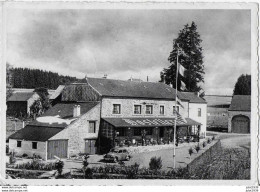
147 122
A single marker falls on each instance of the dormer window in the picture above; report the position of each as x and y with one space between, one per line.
116 108
149 109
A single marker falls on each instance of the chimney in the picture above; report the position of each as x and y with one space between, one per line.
86 78
197 94
76 110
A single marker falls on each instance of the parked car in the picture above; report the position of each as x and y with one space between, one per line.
117 154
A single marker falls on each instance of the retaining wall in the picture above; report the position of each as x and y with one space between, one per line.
204 157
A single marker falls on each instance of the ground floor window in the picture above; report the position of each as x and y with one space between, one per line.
34 145
137 132
121 132
19 144
149 131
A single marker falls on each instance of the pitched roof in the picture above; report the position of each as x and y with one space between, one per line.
240 103
57 92
131 89
61 114
35 133
21 96
218 100
191 122
191 97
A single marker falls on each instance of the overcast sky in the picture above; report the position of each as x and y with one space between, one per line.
125 43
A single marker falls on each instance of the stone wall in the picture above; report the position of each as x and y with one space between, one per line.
27 148
231 114
78 131
204 157
127 108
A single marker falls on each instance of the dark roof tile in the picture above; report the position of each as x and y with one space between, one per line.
35 133
132 89
240 103
191 97
21 96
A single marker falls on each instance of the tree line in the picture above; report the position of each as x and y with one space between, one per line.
34 78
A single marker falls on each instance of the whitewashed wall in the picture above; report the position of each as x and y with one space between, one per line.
127 108
27 148
193 114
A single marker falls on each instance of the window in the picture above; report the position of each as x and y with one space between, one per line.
199 112
161 110
137 109
19 144
116 108
177 107
149 131
137 132
120 132
149 109
92 127
34 145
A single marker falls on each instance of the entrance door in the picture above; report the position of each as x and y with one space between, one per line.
57 148
90 147
240 124
161 134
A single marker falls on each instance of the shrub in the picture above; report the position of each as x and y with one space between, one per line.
12 159
204 144
155 163
190 151
24 155
213 138
131 171
208 141
88 173
197 148
59 166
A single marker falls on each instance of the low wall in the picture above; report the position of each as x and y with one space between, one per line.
204 157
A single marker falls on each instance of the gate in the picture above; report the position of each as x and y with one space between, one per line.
240 124
57 148
90 146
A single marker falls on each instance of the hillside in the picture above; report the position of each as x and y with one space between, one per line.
33 78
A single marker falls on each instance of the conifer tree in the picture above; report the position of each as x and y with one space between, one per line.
188 41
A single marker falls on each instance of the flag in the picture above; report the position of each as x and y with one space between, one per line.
179 102
183 86
181 70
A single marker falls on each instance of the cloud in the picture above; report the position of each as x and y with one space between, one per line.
122 43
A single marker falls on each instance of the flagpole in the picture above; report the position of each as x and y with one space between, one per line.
175 111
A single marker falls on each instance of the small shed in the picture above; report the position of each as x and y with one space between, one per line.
239 114
20 102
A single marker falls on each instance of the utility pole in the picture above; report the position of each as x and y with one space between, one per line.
175 120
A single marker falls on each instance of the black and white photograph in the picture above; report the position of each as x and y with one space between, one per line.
123 93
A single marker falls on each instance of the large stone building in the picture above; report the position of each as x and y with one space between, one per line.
239 114
97 114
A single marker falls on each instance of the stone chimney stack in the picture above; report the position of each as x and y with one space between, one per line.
76 110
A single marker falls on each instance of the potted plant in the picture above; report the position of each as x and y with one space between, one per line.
197 148
190 152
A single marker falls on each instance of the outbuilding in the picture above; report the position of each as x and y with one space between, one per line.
239 114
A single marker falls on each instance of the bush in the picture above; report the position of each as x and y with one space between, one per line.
59 166
12 159
190 151
213 138
155 163
88 173
208 141
24 155
36 165
204 144
131 171
197 148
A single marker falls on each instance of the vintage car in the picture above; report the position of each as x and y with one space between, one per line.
117 154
